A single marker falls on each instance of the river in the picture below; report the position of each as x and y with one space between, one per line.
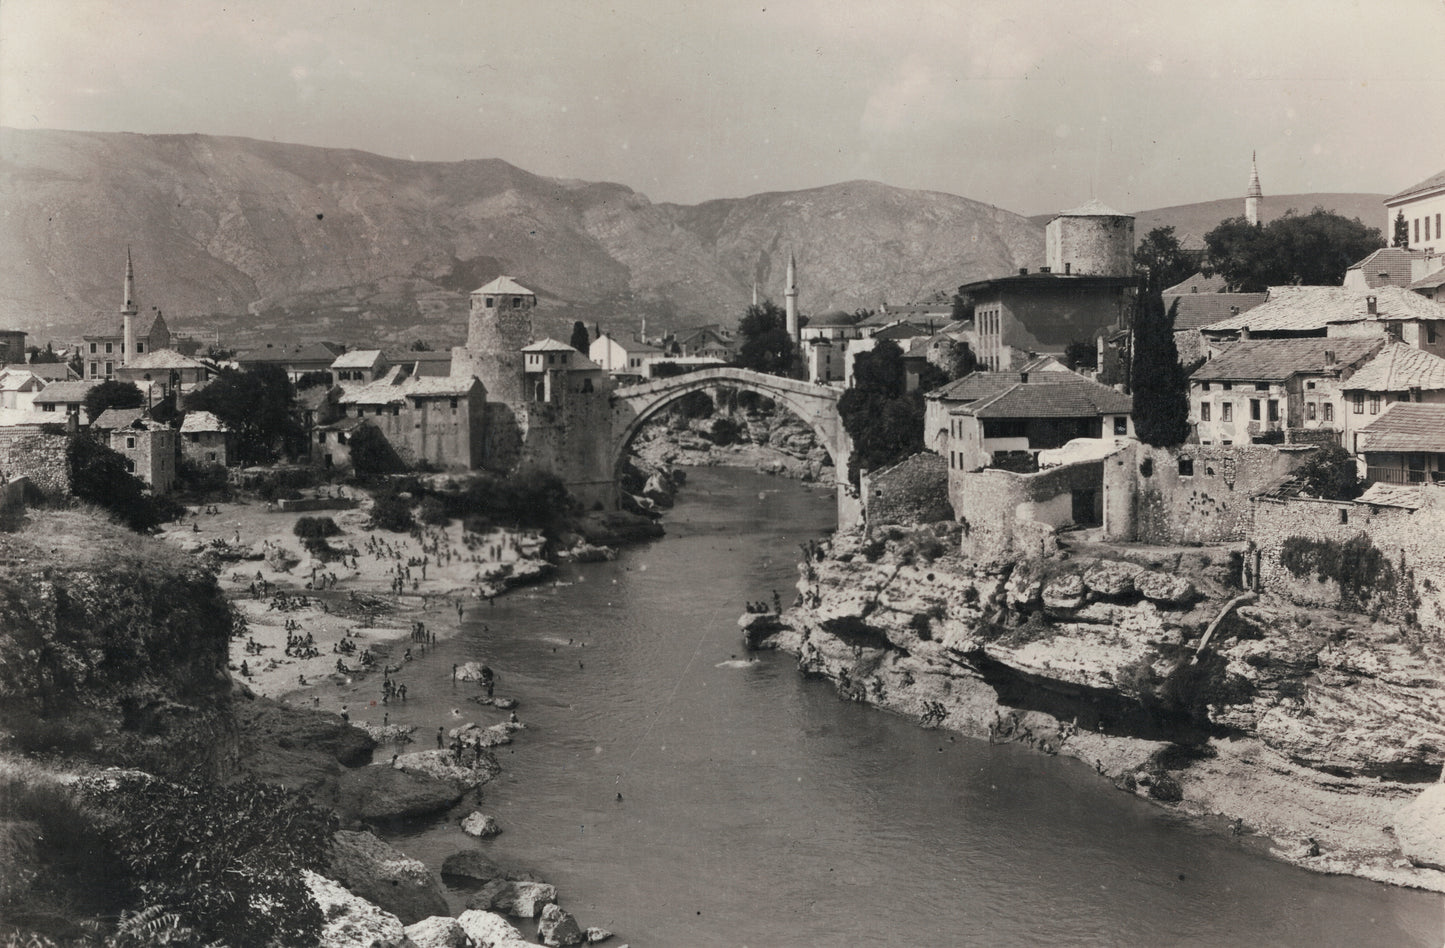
759 810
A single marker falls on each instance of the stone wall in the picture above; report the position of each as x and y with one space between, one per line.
38 456
1193 493
915 490
1007 515
572 438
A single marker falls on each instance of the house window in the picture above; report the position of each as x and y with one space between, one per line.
491 301
1374 403
1310 411
210 455
108 348
1204 386
1203 411
516 302
1254 409
1273 409
109 367
1121 425
1261 386
320 437
130 442
1329 411
1359 402
1186 467
195 438
94 368
92 348
378 409
1310 386
140 347
360 411
1417 230
396 409
1227 386
454 404
1226 411
1430 331
129 466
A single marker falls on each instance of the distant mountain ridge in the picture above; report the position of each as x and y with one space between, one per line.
1200 218
281 241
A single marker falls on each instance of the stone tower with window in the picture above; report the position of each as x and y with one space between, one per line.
499 325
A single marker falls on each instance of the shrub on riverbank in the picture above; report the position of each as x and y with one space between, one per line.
392 512
315 528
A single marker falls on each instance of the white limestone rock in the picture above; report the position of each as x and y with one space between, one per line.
596 935
439 931
351 921
490 930
1420 828
440 765
481 825
1164 587
558 929
1112 580
374 870
518 899
1064 593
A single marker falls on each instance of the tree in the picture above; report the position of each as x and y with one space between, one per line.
1313 249
112 394
43 355
1161 390
885 421
99 475
1082 355
766 345
1402 230
962 309
581 339
257 404
1331 474
420 345
1161 255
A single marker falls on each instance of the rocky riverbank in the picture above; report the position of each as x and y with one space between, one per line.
1320 733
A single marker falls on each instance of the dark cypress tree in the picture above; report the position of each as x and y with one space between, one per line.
1161 390
581 339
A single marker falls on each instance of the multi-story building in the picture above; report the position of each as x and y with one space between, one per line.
1423 207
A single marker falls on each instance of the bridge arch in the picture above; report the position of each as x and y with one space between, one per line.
815 405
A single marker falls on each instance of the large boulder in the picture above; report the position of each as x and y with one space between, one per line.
1111 580
440 766
1420 828
1064 593
311 774
518 899
480 825
1165 588
386 793
264 721
558 928
490 930
439 931
351 921
472 864
382 874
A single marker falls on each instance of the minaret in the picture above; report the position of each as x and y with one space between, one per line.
1254 195
790 298
127 313
755 292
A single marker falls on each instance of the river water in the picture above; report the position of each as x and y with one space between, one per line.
760 810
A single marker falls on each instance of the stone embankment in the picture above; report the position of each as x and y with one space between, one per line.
1320 732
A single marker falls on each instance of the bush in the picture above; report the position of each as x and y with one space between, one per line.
201 477
724 432
434 512
98 475
391 512
1331 474
316 528
697 404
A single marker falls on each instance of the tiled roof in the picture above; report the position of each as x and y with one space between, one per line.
432 386
1388 266
163 359
837 317
357 359
1274 360
113 418
198 421
978 385
1429 184
1197 310
61 392
1062 397
19 380
1431 281
1398 368
50 371
393 388
1198 283
631 345
307 352
1406 426
548 345
504 285
1313 308
1392 495
1093 208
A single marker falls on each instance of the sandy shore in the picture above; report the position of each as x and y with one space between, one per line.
281 590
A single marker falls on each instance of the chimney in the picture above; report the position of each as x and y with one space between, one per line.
1243 333
1068 267
1329 357
1023 271
1371 305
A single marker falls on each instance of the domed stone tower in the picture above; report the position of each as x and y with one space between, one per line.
499 325
1090 240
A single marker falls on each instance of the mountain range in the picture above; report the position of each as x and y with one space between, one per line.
272 241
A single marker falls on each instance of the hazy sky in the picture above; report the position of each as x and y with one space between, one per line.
1032 106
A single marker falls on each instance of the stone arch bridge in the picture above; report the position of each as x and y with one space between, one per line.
816 405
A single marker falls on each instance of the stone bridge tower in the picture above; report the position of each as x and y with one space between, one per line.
499 325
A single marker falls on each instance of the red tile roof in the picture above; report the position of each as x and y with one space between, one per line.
1388 266
1404 427
1399 368
1275 360
1197 310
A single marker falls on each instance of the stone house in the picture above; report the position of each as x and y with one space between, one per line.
1298 312
332 442
1388 266
438 420
1261 389
551 368
1405 445
361 366
295 360
65 399
1397 373
165 371
149 450
18 388
205 439
915 490
105 352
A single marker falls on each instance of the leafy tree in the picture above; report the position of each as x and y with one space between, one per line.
1313 249
312 379
98 475
112 394
391 512
420 345
1161 255
885 421
581 338
962 309
1161 390
1081 355
1331 474
257 404
1402 230
47 354
766 345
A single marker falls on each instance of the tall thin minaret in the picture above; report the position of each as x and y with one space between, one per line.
128 313
755 292
1254 195
790 299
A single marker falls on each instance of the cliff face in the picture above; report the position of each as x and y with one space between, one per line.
114 647
1299 724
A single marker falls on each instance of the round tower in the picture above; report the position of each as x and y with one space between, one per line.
1254 195
1090 240
499 325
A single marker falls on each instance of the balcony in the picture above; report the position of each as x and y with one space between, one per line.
1396 475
